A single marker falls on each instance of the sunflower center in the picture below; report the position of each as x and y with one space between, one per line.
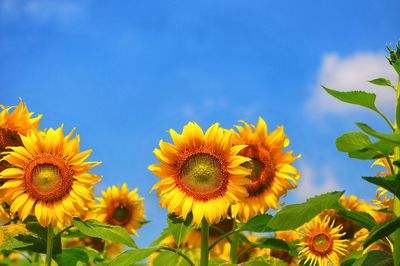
201 174
262 169
321 244
257 167
48 178
121 213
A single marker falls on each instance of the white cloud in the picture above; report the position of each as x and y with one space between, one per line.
63 11
350 73
315 181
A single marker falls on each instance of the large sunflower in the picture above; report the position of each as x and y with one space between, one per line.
200 173
272 171
15 120
122 207
48 177
321 242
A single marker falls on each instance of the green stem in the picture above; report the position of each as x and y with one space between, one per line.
234 244
396 157
390 165
204 242
49 249
105 249
179 253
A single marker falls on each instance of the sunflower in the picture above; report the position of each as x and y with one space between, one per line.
48 177
200 173
15 120
272 171
122 207
321 242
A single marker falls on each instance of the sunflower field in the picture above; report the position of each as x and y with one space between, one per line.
223 190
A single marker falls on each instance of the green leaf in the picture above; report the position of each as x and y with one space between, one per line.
179 229
274 243
363 219
264 261
351 258
376 258
352 141
295 215
166 232
132 256
257 224
168 258
71 256
382 230
391 183
112 233
383 136
381 82
358 145
361 98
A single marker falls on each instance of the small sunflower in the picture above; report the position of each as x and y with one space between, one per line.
272 171
15 120
321 242
48 177
122 207
200 173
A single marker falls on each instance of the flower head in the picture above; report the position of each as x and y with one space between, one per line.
15 120
272 171
48 177
321 242
122 207
200 173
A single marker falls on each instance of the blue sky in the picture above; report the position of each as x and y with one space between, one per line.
124 72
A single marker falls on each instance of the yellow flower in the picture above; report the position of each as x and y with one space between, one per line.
321 242
122 207
15 120
272 171
200 173
49 178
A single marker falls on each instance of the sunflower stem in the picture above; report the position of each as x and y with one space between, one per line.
234 244
396 205
49 248
204 242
